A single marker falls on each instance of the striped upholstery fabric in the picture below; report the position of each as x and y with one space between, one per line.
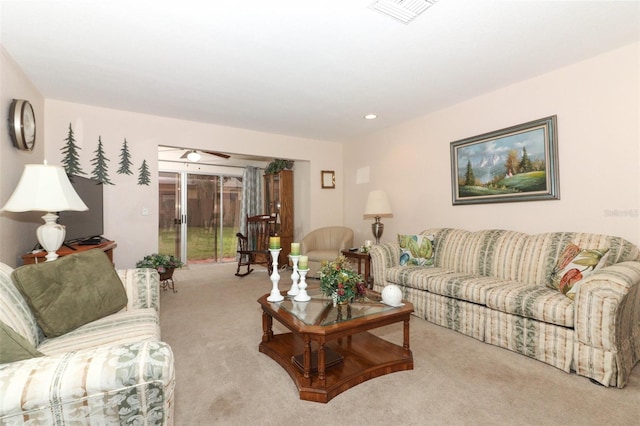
129 384
608 323
536 339
123 327
492 285
14 310
463 317
110 371
142 286
532 301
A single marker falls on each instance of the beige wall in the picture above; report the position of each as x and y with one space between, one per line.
136 234
597 103
17 230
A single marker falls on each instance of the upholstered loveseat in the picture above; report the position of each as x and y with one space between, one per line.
508 289
110 371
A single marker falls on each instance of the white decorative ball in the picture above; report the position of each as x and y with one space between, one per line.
392 295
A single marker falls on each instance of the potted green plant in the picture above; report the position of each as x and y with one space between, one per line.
165 264
278 165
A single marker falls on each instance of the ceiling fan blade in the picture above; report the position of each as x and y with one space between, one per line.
185 154
219 154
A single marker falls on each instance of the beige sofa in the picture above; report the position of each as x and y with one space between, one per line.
111 371
493 285
325 244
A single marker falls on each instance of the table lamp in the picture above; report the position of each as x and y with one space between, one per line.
46 188
377 206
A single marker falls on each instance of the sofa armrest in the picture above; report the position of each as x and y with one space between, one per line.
607 316
142 286
124 384
383 256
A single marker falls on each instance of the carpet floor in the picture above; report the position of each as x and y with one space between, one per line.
213 323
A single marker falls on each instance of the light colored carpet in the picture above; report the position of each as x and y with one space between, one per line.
214 326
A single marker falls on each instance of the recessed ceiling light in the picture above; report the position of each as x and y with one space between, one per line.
370 116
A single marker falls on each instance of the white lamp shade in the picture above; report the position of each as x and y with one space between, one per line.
44 188
378 205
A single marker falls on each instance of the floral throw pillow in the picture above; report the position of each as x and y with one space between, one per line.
573 266
416 250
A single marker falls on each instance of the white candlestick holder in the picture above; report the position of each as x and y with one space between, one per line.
275 295
295 276
302 295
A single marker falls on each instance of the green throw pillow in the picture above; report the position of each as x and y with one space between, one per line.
416 250
14 347
71 291
574 265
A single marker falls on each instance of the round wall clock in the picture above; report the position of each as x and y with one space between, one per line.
22 124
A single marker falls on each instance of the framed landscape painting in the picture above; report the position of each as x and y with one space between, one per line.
519 163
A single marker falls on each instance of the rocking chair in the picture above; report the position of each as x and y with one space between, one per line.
253 249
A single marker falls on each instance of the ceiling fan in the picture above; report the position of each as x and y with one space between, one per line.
194 155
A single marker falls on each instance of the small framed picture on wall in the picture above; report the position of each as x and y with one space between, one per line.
328 179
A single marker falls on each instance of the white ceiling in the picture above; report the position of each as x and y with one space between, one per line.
303 68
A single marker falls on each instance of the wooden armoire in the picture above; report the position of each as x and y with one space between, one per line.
278 198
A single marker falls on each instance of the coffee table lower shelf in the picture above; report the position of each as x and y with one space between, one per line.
364 357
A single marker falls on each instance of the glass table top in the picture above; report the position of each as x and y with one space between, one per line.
320 310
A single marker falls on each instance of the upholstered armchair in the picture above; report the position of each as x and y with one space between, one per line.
325 244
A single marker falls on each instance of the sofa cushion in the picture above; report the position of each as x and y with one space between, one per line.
14 310
573 266
14 347
416 250
71 291
414 276
444 282
532 301
123 327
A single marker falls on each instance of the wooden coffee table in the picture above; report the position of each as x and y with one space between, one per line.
329 349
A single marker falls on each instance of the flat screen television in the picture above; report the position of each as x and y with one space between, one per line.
82 226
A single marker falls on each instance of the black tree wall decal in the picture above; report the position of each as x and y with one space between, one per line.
144 177
100 169
71 158
125 160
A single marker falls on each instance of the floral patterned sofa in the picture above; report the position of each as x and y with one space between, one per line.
511 290
114 370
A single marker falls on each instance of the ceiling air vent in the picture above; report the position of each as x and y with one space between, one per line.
402 10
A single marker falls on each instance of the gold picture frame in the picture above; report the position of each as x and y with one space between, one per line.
328 179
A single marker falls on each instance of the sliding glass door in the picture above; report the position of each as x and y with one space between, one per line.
169 212
206 216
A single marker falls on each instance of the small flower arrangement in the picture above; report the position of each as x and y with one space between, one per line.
339 281
161 262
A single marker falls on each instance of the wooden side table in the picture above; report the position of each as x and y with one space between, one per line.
361 258
39 257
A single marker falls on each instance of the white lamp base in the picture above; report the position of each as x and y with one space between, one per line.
51 235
